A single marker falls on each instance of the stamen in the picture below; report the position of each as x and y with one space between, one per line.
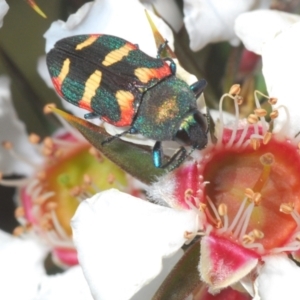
222 121
238 215
258 106
9 147
255 143
223 211
274 114
252 119
235 89
18 231
273 100
260 112
34 138
267 137
289 209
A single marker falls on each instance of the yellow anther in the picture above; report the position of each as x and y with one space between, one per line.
260 112
235 89
48 109
252 119
255 143
286 208
249 193
274 114
239 99
257 198
18 231
7 145
257 234
34 138
248 239
222 209
267 137
19 212
272 100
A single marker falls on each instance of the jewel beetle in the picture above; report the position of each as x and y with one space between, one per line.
117 82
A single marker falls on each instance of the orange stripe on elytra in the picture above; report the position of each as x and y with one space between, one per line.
90 88
146 74
116 55
125 100
89 41
58 81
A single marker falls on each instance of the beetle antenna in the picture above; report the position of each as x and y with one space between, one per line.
117 136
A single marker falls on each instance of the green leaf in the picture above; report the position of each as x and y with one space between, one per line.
184 278
134 159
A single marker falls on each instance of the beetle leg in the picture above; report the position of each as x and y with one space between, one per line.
91 115
131 130
198 87
157 153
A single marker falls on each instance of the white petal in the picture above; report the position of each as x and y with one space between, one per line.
111 17
21 269
3 10
257 27
210 21
13 130
68 285
169 11
281 67
148 291
121 241
279 279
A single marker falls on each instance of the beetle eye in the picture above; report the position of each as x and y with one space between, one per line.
183 137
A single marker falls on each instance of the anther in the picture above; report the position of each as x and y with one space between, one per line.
260 112
286 208
95 153
272 100
222 209
248 239
19 212
239 99
87 179
256 199
34 138
257 234
48 109
255 143
274 114
249 193
48 142
235 89
267 137
18 231
252 119
7 145
51 205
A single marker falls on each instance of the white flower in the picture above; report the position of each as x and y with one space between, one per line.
133 237
23 275
211 21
